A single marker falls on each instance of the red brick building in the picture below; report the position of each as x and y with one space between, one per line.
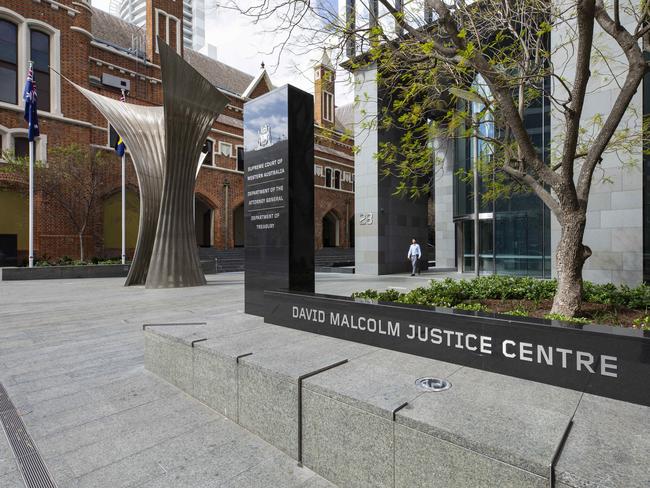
103 53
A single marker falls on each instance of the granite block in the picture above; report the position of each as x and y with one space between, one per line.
268 385
170 358
426 461
215 382
346 445
378 382
515 421
268 407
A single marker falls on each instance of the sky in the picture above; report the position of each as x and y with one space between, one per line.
244 45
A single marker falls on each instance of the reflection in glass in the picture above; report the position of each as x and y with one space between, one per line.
514 233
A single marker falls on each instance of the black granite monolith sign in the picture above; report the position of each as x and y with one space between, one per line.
278 194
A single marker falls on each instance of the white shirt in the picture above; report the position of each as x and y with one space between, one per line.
414 250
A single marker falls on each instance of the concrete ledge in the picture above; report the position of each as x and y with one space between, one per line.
363 423
74 272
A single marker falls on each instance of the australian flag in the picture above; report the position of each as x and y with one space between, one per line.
119 146
31 102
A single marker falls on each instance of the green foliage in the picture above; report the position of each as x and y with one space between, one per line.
564 318
642 323
472 307
623 296
517 312
454 293
68 261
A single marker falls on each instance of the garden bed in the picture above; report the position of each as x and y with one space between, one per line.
528 297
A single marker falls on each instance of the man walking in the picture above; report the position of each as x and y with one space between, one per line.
414 255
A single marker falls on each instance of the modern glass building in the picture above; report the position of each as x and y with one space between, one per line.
134 11
516 235
513 233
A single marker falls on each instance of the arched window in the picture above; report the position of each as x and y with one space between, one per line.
8 62
328 177
40 55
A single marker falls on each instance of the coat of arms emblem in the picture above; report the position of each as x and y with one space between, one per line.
264 136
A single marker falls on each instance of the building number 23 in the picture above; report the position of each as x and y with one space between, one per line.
366 218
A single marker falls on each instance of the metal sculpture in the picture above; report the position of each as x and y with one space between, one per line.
165 144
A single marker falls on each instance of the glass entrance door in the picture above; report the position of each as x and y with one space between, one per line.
486 245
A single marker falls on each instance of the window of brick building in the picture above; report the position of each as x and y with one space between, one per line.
240 158
8 62
40 54
328 177
208 152
225 149
328 107
21 147
337 179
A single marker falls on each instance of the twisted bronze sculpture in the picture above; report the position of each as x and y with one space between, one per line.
165 144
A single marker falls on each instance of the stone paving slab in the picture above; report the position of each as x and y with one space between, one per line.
608 446
512 420
72 357
378 382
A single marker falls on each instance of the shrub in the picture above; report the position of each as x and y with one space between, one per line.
564 318
642 323
472 307
517 312
451 293
638 297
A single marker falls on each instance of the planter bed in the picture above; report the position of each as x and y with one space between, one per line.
79 271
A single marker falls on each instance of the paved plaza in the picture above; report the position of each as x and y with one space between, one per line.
71 360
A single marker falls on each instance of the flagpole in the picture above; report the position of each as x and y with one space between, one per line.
124 209
123 157
31 204
30 103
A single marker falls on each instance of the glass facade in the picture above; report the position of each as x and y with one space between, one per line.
513 233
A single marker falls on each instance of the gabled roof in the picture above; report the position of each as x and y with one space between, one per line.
262 75
115 32
220 74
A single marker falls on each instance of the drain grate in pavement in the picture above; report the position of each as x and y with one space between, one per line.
32 467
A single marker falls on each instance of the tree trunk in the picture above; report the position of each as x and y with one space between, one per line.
81 246
570 257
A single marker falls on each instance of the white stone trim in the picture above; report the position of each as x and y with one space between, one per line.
47 115
221 168
179 28
112 50
222 145
8 136
111 66
334 189
23 26
334 162
84 32
236 136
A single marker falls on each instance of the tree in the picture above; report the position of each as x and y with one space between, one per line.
469 65
71 180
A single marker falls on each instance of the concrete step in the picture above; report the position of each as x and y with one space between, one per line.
352 413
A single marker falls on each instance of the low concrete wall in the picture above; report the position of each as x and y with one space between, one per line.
85 271
351 412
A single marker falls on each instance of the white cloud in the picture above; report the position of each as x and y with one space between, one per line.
245 45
